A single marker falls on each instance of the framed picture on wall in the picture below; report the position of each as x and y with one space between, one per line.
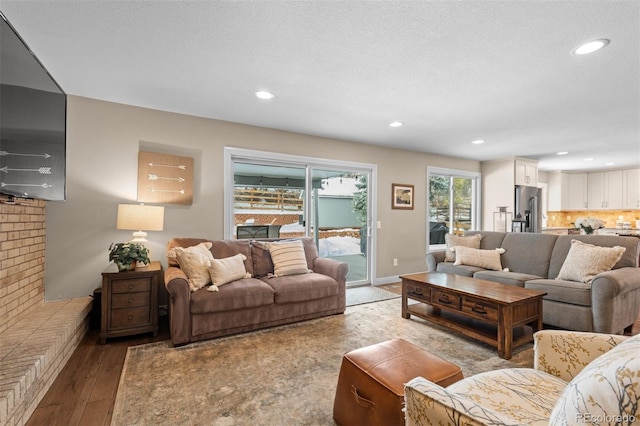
402 196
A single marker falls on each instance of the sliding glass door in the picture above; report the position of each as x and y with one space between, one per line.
338 219
268 201
285 197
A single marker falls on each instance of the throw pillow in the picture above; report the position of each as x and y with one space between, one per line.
223 271
606 389
585 261
452 241
488 259
288 258
195 262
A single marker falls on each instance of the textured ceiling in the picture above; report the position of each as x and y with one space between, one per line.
452 71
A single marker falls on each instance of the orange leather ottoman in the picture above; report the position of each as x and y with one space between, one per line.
371 383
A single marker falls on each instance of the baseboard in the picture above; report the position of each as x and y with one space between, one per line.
386 280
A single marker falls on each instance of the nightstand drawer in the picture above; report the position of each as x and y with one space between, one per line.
480 309
445 299
130 317
131 285
129 300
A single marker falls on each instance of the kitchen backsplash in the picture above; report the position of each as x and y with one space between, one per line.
562 219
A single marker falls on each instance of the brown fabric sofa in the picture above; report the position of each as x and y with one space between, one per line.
252 303
609 304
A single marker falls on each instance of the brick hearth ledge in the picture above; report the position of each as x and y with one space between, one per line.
34 350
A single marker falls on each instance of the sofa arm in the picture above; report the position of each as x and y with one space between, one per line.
433 258
615 296
177 286
338 271
565 353
332 268
427 403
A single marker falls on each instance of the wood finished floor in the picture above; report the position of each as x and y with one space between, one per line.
85 391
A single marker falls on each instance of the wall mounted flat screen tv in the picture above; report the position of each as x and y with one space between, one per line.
33 117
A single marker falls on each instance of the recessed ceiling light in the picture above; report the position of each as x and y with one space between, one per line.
588 159
562 153
396 124
590 47
610 164
262 94
477 142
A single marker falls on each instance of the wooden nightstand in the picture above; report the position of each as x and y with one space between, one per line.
130 301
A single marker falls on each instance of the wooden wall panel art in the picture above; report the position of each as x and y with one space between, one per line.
164 178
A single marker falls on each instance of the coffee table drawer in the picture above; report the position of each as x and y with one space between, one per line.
418 292
445 299
480 309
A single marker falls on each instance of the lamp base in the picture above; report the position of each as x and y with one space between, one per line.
139 237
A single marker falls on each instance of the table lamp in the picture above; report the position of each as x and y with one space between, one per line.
140 218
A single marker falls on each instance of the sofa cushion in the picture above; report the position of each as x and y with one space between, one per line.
241 294
528 253
464 270
490 239
563 244
182 242
505 277
301 288
585 261
472 241
262 264
288 258
227 248
573 292
608 389
223 271
488 259
523 394
194 262
310 250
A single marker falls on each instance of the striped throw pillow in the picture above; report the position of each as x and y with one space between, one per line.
288 258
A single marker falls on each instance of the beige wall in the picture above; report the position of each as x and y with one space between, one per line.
102 150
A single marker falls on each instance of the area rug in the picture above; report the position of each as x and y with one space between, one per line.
368 294
279 376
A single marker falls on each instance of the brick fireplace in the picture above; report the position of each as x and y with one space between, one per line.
37 337
22 244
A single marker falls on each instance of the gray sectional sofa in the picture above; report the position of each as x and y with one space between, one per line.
610 303
252 303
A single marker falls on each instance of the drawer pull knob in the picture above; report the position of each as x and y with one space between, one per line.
479 309
444 299
130 317
417 292
130 300
130 286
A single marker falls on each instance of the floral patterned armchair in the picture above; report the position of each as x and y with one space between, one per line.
578 378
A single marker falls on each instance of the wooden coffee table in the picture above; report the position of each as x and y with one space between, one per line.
501 315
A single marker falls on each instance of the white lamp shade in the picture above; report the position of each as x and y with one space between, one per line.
137 217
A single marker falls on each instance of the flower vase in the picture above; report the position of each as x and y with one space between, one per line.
122 267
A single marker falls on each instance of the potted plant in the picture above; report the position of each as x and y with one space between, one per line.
126 255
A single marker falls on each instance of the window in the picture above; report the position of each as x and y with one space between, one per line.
453 203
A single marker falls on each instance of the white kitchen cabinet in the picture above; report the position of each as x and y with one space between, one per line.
555 190
604 190
575 197
631 189
526 172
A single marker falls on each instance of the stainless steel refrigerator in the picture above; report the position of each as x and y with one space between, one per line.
527 216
